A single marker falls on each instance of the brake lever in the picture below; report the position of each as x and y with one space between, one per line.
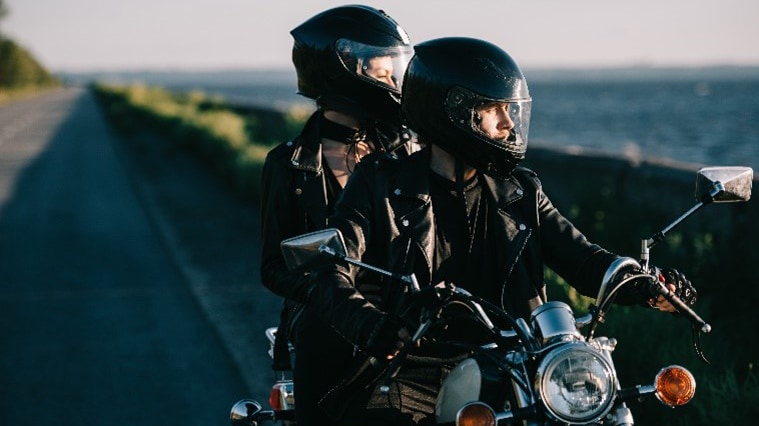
698 325
697 344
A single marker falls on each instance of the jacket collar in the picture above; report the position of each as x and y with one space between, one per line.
308 148
309 178
504 192
412 183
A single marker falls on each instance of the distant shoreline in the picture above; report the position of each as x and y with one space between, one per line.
703 115
173 77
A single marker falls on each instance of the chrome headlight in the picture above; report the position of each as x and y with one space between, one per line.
576 383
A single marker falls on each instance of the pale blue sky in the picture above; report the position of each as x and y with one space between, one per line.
92 35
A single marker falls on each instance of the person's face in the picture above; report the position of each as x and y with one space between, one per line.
379 68
495 121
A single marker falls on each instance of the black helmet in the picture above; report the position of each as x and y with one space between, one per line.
335 53
446 81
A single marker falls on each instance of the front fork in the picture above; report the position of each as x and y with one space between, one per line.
620 415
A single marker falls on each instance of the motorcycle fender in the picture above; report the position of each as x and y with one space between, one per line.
461 386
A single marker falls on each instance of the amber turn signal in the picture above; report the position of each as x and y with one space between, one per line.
275 397
475 414
675 386
281 396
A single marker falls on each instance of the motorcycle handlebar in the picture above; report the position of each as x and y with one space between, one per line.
432 300
661 289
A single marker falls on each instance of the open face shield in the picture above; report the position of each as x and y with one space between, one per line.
381 66
501 123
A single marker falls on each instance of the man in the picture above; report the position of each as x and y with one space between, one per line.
461 211
350 60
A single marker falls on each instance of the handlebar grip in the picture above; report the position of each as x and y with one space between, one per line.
684 309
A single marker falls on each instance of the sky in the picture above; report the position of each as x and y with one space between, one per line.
106 35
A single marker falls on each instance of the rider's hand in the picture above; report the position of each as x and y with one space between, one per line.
683 288
387 338
678 284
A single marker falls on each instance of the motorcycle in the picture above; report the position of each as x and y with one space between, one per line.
544 371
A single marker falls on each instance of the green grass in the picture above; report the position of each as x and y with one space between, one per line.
719 261
231 141
10 95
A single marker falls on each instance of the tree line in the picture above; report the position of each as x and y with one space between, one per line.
18 68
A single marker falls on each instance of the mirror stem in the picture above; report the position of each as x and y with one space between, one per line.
659 236
717 188
409 279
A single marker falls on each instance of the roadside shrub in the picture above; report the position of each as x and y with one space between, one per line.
231 140
20 70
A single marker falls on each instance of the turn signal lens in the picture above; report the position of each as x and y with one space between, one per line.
475 414
675 386
275 398
282 396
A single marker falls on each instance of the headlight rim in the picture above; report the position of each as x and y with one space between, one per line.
558 354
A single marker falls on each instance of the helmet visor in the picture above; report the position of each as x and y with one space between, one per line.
504 123
382 66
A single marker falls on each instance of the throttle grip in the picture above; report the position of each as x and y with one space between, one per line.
660 288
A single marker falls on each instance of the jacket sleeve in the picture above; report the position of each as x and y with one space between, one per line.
333 293
567 251
279 220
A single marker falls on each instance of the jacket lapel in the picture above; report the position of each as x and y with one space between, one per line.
510 228
310 179
410 203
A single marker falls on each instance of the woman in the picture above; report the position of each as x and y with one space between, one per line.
350 60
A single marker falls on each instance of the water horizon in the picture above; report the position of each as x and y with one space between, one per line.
700 116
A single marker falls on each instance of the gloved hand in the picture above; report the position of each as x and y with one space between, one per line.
684 290
388 336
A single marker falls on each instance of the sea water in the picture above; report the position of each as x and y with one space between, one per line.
699 116
693 121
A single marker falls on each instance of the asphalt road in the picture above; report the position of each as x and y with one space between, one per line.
128 277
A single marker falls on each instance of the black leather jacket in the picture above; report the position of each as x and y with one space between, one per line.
294 201
387 219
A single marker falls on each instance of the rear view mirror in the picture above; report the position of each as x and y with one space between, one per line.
724 184
244 412
303 251
713 185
